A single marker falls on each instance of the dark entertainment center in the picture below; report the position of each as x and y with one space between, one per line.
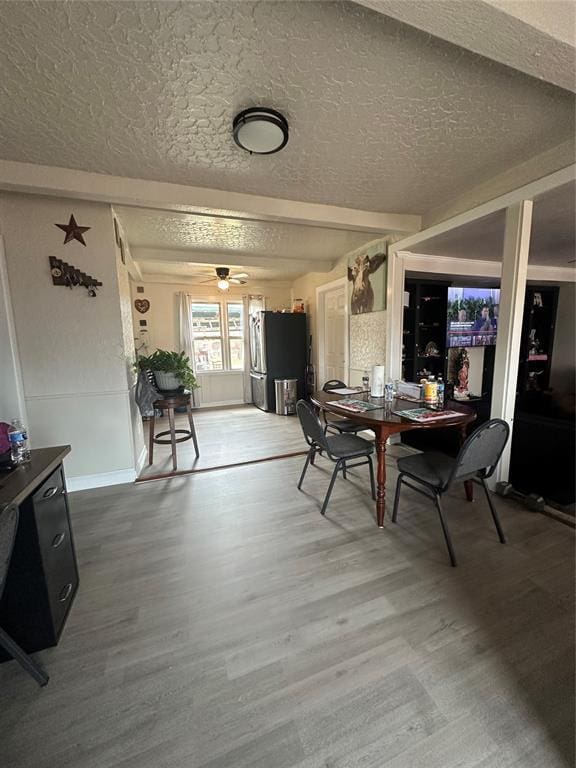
543 446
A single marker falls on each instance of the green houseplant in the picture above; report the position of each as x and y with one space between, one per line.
171 369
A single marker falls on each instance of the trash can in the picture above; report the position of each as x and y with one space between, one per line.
286 395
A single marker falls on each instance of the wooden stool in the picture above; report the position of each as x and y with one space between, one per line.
168 403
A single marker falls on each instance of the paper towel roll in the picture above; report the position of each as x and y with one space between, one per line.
377 388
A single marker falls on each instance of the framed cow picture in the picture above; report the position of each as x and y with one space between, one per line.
367 277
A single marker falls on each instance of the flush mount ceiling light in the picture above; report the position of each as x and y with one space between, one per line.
260 131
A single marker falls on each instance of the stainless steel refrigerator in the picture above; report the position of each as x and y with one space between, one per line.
277 351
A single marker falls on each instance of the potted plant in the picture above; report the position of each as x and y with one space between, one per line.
172 370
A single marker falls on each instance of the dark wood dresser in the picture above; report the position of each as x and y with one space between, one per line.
43 575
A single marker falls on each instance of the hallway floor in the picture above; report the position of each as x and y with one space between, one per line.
226 436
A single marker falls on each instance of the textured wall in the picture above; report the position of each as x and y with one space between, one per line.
367 342
71 346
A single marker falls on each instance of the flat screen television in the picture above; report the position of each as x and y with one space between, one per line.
472 317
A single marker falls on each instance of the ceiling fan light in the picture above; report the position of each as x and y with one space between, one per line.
223 285
260 130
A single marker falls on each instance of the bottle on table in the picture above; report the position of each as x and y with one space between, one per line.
423 388
430 391
440 390
18 438
366 381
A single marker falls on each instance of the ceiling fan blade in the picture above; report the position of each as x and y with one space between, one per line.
239 275
236 281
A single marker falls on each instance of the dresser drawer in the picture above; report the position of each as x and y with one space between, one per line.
56 547
51 487
52 523
61 582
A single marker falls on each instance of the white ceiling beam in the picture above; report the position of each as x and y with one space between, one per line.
232 259
117 190
527 192
461 267
519 35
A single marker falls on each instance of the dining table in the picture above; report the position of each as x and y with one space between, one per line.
385 420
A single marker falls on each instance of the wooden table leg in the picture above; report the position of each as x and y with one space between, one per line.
151 426
192 429
172 437
468 484
381 437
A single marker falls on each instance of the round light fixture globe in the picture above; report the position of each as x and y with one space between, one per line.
260 131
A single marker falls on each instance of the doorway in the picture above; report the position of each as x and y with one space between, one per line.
332 304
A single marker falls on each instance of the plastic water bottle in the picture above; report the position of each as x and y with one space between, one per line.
440 392
18 438
366 381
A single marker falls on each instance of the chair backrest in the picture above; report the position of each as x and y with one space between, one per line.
8 526
333 384
481 451
311 426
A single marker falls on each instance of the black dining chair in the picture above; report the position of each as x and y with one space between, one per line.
338 448
8 528
339 423
436 472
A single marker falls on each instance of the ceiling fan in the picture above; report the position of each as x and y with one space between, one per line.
224 278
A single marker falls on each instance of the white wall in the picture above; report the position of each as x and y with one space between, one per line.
219 387
72 349
11 388
563 367
125 296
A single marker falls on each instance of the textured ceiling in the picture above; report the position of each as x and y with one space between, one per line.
146 228
552 242
383 117
533 36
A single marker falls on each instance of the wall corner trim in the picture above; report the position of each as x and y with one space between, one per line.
100 480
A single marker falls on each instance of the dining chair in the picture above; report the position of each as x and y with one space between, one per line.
337 448
8 528
436 473
339 423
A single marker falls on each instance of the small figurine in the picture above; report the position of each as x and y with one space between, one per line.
463 367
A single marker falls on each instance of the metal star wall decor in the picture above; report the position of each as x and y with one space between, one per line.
73 231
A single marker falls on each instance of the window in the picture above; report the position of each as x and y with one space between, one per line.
236 336
218 330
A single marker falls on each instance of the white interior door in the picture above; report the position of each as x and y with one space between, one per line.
335 332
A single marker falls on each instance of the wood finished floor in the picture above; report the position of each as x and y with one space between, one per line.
226 436
221 622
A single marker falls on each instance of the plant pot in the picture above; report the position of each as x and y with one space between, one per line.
166 381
